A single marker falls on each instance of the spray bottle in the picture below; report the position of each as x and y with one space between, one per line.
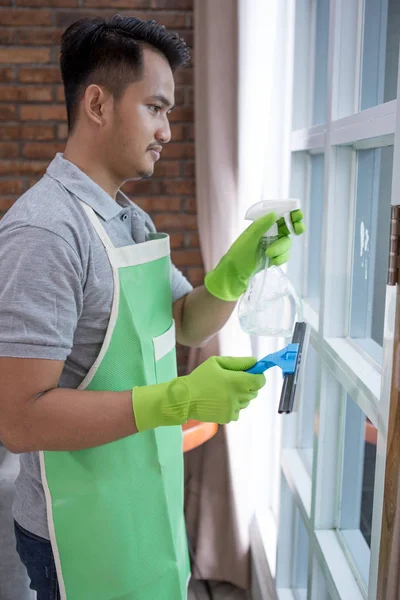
270 306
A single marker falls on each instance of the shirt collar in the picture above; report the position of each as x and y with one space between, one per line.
78 183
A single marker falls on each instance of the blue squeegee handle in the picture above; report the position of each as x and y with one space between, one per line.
285 359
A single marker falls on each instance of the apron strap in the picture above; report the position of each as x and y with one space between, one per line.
97 225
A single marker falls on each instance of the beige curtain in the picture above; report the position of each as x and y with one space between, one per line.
211 510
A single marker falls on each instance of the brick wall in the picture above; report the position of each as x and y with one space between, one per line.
33 116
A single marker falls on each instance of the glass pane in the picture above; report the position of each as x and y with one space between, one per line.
380 54
307 409
301 72
321 62
300 563
315 228
371 248
358 477
319 587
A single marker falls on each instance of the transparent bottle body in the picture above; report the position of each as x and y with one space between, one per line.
270 306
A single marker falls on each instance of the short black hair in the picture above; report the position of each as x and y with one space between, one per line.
109 52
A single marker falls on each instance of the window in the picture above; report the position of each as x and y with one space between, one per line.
300 565
321 62
371 248
306 409
343 153
357 489
319 587
314 236
380 53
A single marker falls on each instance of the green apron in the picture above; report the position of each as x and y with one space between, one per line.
115 512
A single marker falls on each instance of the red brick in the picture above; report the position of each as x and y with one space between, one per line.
189 96
181 113
39 37
167 168
9 149
143 4
183 150
184 76
10 186
22 168
189 20
171 20
190 205
175 4
39 75
6 203
179 96
192 240
154 204
178 133
191 133
143 187
195 276
6 36
181 222
184 258
187 36
37 132
7 112
49 3
133 4
32 182
26 132
42 149
6 74
10 132
43 113
24 55
64 18
177 240
23 93
62 131
29 18
6 2
178 187
60 96
189 169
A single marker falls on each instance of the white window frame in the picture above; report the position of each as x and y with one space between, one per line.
344 365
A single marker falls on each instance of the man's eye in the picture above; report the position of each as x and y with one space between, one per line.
154 108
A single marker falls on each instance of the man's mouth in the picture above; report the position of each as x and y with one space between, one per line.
155 152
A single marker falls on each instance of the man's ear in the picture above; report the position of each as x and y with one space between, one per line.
96 104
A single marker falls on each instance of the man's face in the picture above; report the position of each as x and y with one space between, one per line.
140 126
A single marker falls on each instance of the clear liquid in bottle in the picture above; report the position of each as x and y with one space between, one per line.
270 306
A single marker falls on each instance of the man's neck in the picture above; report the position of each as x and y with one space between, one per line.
81 157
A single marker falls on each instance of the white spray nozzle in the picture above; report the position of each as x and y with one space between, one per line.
282 208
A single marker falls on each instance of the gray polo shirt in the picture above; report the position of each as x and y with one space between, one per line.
56 289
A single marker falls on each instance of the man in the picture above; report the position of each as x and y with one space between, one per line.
90 307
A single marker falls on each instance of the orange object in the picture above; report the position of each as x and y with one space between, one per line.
196 433
371 433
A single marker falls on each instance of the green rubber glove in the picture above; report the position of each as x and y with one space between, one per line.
215 392
230 278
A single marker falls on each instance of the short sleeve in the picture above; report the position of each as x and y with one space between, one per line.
180 285
41 293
